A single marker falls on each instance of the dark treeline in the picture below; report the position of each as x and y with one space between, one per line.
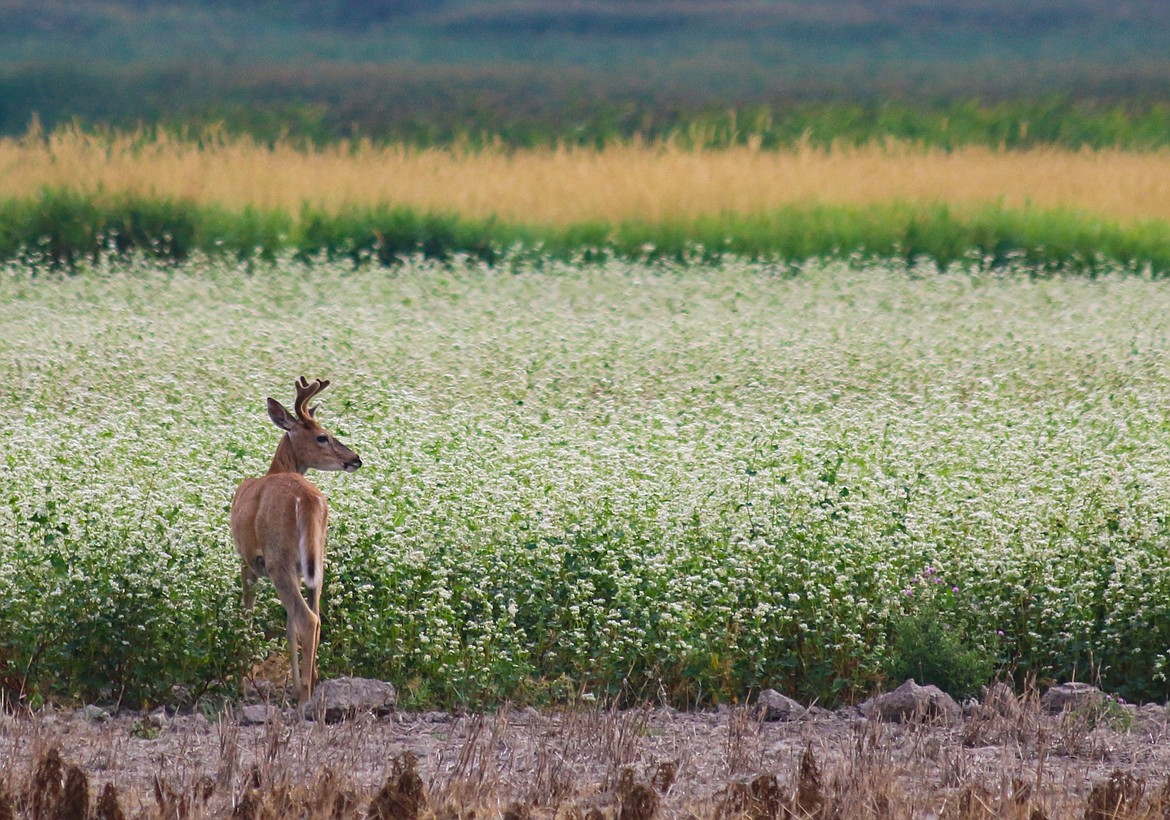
1070 72
523 108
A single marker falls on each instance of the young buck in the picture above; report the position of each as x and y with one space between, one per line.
278 523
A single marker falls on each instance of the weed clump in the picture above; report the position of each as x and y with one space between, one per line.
931 652
1117 796
402 796
48 784
108 806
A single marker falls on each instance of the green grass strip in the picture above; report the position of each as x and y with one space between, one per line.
64 228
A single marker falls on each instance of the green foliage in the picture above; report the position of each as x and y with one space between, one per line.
64 228
60 225
930 652
667 480
113 609
387 235
931 643
249 233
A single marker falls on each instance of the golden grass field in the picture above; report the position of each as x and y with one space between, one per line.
559 186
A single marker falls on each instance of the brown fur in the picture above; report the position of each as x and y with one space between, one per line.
279 522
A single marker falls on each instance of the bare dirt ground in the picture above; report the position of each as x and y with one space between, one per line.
588 763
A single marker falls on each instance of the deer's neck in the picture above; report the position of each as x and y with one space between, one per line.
285 461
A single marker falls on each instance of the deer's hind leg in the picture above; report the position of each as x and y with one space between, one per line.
315 606
304 627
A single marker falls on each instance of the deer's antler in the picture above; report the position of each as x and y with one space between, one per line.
305 391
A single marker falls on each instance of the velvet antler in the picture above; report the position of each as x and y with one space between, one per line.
305 391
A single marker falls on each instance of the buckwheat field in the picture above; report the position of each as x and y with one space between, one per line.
671 483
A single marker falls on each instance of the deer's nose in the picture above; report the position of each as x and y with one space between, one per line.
350 466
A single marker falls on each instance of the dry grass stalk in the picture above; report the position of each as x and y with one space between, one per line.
743 739
229 753
172 804
622 731
569 185
553 780
482 759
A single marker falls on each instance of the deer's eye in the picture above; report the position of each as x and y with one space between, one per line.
322 439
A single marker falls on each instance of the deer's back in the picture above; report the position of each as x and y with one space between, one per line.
264 511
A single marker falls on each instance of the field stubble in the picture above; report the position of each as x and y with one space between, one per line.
1006 759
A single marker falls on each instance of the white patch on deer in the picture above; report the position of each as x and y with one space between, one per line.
308 569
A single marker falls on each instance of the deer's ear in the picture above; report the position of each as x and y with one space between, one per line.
280 417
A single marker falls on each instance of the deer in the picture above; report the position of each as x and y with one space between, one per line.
278 523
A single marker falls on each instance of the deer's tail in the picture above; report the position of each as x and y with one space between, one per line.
312 519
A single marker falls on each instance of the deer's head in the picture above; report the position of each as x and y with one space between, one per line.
310 444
